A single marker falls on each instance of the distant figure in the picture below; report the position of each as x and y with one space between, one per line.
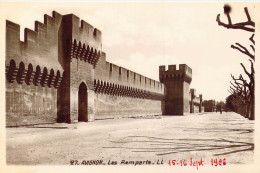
220 109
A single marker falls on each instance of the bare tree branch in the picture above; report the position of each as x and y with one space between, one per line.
252 67
242 79
229 19
234 85
253 48
252 39
232 89
247 26
231 92
247 14
251 76
238 87
238 84
243 50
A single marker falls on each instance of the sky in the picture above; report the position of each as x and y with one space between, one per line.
141 36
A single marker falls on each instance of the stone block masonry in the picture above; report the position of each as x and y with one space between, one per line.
60 74
176 89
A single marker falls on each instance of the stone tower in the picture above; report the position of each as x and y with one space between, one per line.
192 97
79 50
201 101
176 92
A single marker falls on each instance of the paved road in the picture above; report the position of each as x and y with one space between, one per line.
206 136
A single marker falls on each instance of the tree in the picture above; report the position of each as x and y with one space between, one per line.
243 92
230 104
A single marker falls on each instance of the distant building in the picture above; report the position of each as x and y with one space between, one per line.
209 105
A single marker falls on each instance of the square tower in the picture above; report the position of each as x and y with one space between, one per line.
177 88
80 49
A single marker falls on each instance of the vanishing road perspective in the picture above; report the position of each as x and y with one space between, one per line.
198 136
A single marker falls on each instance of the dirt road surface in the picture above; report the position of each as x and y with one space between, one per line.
155 139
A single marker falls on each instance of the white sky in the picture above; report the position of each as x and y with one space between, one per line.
142 36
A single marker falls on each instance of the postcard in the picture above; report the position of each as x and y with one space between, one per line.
129 86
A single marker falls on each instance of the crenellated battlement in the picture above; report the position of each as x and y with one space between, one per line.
40 46
87 28
82 31
194 99
50 23
40 29
184 73
106 71
193 93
